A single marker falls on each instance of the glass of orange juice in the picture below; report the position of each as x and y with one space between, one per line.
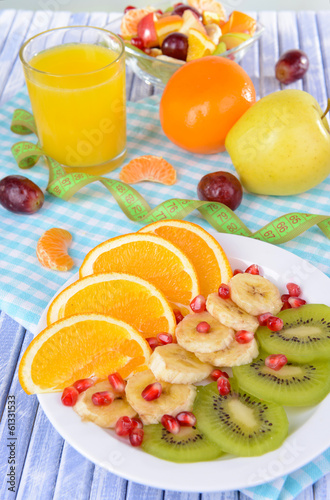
76 82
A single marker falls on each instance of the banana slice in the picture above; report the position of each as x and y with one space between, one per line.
235 355
255 294
174 398
172 363
229 314
219 336
104 416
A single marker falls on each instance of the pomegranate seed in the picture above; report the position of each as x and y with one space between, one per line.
124 426
286 305
203 327
153 342
117 382
137 42
293 289
253 269
69 396
223 385
262 318
296 302
237 271
198 304
224 291
129 7
170 423
137 423
218 373
160 12
178 316
186 419
83 384
147 51
276 361
274 324
244 337
136 437
152 391
165 338
103 398
285 297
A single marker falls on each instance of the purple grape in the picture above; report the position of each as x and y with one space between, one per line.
291 66
20 195
176 45
179 10
222 187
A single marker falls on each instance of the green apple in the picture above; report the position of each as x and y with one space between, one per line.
281 145
220 49
233 40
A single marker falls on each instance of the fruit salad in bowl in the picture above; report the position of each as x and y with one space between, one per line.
161 38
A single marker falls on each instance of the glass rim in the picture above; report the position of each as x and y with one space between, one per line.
27 65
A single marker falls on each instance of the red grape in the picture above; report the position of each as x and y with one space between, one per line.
20 195
176 45
222 187
291 66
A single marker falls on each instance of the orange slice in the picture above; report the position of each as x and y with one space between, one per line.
151 258
148 168
199 45
124 297
79 347
207 256
239 22
52 249
130 21
210 6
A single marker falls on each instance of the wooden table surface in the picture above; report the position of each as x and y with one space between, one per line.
46 466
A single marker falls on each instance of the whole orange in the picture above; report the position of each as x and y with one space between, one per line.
202 101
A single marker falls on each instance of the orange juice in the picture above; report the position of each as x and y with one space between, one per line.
77 93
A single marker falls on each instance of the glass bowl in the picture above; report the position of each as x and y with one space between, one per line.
157 71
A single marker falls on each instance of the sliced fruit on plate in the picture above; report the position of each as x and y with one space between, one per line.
104 416
235 354
305 335
150 257
148 168
206 254
189 333
210 6
173 364
52 249
255 294
122 296
239 22
292 385
199 45
131 20
189 445
229 314
80 347
238 422
174 398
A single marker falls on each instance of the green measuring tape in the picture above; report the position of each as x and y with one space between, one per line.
135 207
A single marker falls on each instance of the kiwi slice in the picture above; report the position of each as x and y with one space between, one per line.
305 335
240 423
293 385
189 445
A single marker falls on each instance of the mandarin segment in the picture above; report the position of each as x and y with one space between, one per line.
52 249
122 296
148 168
80 347
131 20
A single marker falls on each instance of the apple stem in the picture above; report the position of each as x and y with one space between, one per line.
327 110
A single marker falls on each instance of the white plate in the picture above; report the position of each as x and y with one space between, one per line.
309 427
